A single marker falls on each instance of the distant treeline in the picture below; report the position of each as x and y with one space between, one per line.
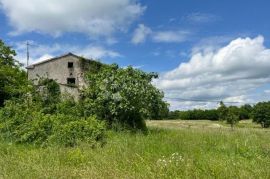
244 112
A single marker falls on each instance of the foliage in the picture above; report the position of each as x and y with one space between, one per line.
71 131
223 111
232 116
173 114
196 114
123 97
13 80
90 65
261 114
42 117
7 55
243 112
49 91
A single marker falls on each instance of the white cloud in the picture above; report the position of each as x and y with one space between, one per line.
91 17
43 57
95 52
201 17
140 34
171 36
42 52
229 73
165 36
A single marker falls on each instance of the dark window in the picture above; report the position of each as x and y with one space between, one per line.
71 81
70 64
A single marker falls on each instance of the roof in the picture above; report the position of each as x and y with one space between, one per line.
55 58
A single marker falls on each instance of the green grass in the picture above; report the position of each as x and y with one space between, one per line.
163 153
202 124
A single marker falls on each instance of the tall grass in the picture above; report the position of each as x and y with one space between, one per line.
183 153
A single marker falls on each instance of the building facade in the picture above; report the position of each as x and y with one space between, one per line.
67 70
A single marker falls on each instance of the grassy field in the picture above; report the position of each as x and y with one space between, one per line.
200 124
200 149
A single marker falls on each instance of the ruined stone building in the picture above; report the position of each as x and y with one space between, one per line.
67 70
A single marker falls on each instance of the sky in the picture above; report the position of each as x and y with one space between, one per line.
204 51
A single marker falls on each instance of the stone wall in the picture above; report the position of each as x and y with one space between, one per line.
57 69
73 91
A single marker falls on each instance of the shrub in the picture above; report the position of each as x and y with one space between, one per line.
123 97
232 116
25 123
222 111
71 133
261 114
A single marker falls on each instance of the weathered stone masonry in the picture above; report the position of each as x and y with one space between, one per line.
67 70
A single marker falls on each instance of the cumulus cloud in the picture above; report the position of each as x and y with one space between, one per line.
140 34
171 36
42 52
91 17
229 73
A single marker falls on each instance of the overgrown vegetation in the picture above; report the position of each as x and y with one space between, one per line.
39 114
13 80
123 97
43 118
182 153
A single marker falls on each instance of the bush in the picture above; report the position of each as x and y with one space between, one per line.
71 133
261 114
124 97
21 122
232 116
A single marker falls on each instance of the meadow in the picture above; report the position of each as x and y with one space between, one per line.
179 152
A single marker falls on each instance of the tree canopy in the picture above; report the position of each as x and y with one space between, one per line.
123 96
13 79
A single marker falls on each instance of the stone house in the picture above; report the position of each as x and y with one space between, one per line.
67 70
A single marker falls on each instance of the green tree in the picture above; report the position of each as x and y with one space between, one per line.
222 110
7 55
232 116
245 111
13 80
261 114
123 97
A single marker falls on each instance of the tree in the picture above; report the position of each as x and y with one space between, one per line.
13 80
245 111
222 110
123 97
7 55
232 116
261 114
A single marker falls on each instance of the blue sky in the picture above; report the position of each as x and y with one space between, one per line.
203 50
